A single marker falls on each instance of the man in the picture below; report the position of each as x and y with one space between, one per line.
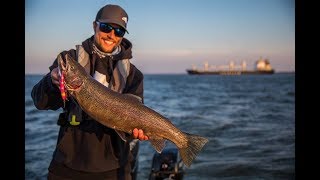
85 148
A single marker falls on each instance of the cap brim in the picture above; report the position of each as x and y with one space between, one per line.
120 23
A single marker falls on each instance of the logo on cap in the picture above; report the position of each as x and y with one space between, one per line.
125 19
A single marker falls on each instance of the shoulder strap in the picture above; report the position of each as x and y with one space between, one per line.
83 58
124 68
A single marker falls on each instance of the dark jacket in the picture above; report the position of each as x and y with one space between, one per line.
90 146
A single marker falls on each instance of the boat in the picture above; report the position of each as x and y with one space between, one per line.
167 165
262 66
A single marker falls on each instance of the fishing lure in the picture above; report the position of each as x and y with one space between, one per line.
62 88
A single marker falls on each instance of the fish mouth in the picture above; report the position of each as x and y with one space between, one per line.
62 66
76 83
72 82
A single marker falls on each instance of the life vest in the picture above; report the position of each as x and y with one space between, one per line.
121 70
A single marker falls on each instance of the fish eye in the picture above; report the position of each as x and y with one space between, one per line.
72 67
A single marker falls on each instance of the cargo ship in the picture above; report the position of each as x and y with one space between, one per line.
262 66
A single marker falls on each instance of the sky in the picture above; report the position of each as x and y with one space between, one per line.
169 36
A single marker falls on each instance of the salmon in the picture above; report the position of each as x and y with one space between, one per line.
123 112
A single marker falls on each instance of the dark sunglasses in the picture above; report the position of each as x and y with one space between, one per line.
105 27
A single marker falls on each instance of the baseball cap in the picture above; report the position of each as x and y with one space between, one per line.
113 14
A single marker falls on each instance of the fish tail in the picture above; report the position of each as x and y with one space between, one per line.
194 145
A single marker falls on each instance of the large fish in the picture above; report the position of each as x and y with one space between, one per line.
123 113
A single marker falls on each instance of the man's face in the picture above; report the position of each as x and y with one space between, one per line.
106 42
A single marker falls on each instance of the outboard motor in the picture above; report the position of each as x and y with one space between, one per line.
167 165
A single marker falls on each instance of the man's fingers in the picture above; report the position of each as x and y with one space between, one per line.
141 136
55 76
135 133
55 82
138 134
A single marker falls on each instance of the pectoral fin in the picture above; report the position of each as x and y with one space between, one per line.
122 135
158 144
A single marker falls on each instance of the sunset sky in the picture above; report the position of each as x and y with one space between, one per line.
169 36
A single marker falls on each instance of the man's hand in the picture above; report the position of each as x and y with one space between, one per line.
138 134
55 76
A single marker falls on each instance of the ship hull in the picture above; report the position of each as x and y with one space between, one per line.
197 72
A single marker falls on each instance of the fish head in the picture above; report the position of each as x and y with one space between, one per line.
74 74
